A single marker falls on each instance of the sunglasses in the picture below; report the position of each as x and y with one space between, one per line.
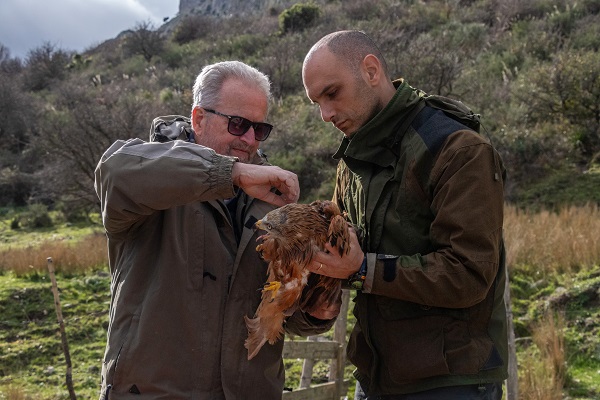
239 125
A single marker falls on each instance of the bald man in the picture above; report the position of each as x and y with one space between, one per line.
427 193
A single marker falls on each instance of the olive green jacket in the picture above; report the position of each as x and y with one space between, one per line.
181 280
427 193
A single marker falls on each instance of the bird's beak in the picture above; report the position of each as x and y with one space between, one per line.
258 225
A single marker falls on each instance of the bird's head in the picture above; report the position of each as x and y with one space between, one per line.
274 221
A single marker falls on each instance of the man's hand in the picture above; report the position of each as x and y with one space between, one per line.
258 180
330 263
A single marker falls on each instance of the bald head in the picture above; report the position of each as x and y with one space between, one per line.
351 47
345 74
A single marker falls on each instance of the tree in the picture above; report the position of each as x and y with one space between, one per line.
435 60
8 65
282 66
45 66
16 115
567 90
83 122
144 40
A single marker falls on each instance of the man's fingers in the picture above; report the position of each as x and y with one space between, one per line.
258 181
276 200
288 186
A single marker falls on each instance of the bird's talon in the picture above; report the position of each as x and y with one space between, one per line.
274 287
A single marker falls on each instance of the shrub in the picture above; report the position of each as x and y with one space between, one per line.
37 216
45 65
193 27
298 17
15 187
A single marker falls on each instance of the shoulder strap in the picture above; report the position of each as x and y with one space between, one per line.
456 110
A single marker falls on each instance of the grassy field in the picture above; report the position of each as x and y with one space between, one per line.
554 260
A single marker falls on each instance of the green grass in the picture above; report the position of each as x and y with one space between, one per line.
578 298
563 187
31 355
61 230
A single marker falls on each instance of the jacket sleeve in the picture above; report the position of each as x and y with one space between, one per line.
465 233
315 297
133 179
303 324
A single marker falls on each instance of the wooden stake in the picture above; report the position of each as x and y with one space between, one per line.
512 383
63 334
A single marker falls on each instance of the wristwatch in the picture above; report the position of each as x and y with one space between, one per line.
357 280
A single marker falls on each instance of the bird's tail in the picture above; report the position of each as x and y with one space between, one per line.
267 325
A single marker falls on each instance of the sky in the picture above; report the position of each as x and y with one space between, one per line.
74 25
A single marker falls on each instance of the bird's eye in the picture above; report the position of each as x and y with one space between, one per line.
269 226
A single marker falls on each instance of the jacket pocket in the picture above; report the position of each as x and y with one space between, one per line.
427 341
416 357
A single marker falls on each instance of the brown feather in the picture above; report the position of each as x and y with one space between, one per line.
293 233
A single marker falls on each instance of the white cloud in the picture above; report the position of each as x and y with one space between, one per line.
74 24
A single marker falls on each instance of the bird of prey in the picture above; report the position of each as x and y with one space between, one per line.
294 233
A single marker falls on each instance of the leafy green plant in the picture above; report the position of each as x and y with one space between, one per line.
37 216
299 17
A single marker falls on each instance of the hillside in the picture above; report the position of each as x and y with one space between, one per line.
530 68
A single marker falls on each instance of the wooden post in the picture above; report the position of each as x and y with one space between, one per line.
336 368
307 369
512 383
63 335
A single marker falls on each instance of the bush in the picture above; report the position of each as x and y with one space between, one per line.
45 65
15 187
37 216
193 27
298 17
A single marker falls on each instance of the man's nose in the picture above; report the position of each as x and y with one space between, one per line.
249 137
326 114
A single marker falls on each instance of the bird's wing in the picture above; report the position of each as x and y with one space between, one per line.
338 235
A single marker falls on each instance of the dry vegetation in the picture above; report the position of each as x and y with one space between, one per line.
556 242
84 255
542 368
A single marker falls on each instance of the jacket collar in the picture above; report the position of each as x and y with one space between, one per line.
372 142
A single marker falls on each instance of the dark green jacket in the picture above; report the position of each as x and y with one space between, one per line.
428 194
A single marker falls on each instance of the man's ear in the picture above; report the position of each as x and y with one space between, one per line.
197 117
371 69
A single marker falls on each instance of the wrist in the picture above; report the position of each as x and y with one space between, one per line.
235 173
357 280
